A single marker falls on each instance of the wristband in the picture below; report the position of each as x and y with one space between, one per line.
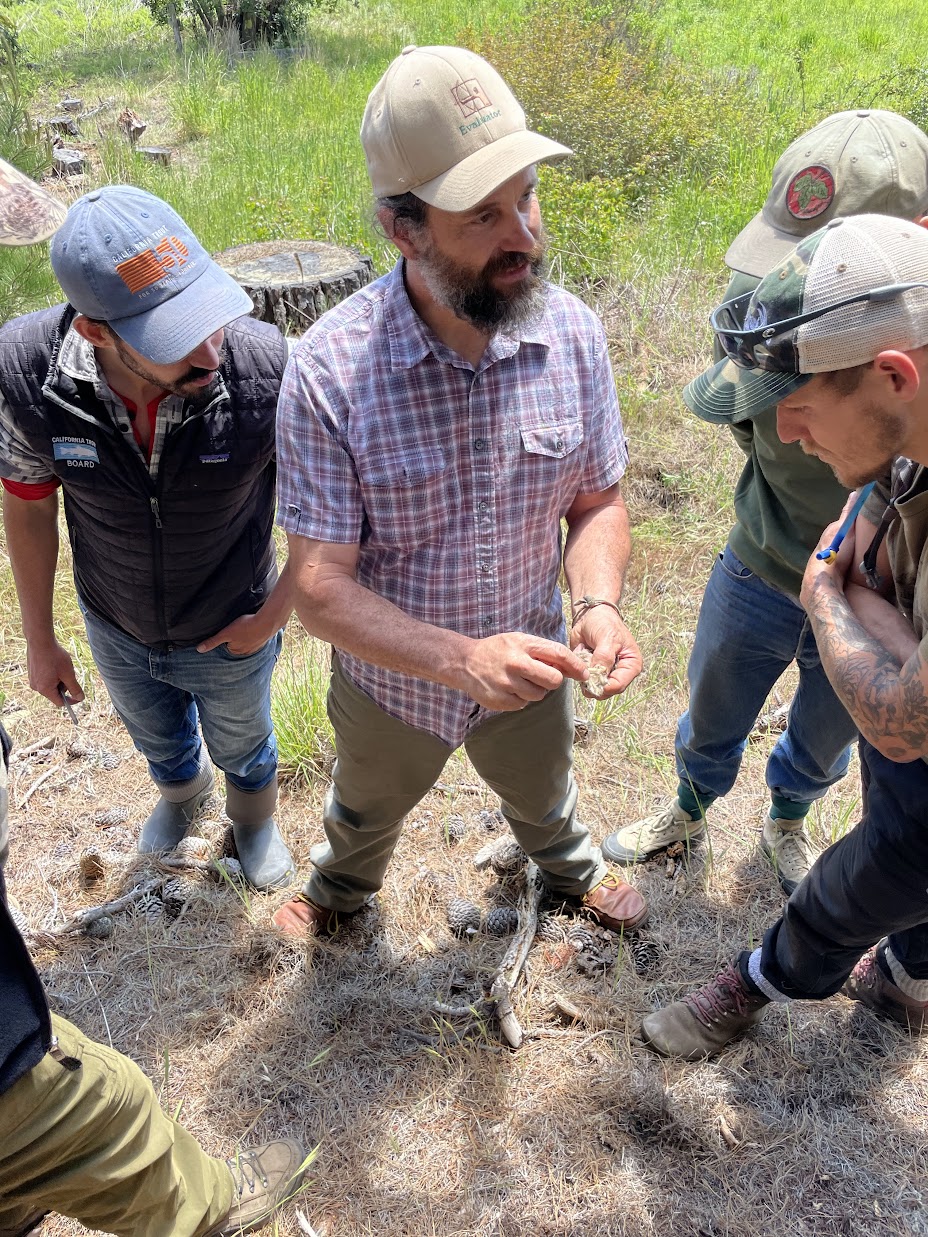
587 603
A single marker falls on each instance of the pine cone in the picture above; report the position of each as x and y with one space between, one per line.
580 938
453 830
549 930
149 907
109 817
92 864
645 955
108 760
177 892
508 858
232 868
79 747
193 848
462 915
101 929
502 921
492 822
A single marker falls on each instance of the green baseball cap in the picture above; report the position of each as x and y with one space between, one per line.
843 295
862 162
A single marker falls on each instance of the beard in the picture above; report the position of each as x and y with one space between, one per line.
180 386
881 435
473 297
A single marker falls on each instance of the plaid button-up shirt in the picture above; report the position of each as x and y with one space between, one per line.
452 480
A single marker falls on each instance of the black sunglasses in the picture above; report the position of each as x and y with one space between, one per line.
771 346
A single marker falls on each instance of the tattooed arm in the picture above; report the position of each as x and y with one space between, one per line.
871 656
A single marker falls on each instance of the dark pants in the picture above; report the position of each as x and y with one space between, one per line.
872 883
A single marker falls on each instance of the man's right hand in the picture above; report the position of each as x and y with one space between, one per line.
50 665
509 671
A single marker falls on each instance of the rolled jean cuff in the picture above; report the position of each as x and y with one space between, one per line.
764 985
180 792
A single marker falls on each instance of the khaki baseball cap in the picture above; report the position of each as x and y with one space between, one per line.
846 293
441 123
27 213
851 163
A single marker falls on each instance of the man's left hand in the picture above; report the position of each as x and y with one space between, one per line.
613 647
243 635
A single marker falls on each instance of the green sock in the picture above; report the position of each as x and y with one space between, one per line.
688 801
787 809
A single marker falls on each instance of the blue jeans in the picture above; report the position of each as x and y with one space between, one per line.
160 696
747 633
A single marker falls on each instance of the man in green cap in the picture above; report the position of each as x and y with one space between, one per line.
836 338
81 1129
751 626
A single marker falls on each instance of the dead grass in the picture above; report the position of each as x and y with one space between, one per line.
814 1125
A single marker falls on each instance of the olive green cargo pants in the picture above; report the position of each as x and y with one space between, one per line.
383 767
93 1144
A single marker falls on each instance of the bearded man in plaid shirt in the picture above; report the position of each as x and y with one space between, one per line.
433 431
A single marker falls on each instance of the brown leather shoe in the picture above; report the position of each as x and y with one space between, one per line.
301 916
616 904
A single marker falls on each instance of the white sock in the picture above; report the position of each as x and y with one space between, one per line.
766 987
917 989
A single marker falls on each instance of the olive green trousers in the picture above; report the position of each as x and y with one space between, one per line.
93 1143
383 767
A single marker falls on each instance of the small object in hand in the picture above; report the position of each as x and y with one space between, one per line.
63 693
599 675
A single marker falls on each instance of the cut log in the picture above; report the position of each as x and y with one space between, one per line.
292 283
156 154
67 162
71 105
62 124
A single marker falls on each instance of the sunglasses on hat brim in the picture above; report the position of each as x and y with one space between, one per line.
772 346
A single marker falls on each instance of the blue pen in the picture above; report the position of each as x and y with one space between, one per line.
830 553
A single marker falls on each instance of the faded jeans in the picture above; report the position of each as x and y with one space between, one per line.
161 694
747 634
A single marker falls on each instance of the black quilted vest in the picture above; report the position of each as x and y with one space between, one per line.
169 561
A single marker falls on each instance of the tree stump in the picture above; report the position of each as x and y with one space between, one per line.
292 283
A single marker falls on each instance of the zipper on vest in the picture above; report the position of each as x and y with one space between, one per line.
156 512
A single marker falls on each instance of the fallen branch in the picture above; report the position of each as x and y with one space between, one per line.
505 978
305 1226
37 783
90 914
22 752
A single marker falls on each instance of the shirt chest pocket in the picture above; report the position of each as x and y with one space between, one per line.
408 497
554 441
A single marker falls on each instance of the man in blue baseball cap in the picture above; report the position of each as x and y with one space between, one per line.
81 1129
150 399
836 336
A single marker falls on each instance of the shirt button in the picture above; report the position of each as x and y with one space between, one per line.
488 622
479 444
483 506
485 567
559 444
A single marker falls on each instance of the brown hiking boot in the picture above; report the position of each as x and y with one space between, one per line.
301 916
705 1020
265 1178
616 904
869 984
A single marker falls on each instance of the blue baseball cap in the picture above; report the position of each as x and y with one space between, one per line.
124 257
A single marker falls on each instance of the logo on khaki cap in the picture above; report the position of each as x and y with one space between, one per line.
810 192
441 123
469 97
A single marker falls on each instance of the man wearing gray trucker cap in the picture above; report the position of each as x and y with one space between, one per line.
751 626
433 431
836 337
149 400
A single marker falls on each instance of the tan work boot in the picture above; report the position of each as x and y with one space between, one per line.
705 1020
637 842
265 1178
869 984
301 916
616 904
789 848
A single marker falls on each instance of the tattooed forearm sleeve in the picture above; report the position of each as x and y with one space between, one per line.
886 698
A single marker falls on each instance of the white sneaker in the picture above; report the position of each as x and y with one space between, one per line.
637 842
789 848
